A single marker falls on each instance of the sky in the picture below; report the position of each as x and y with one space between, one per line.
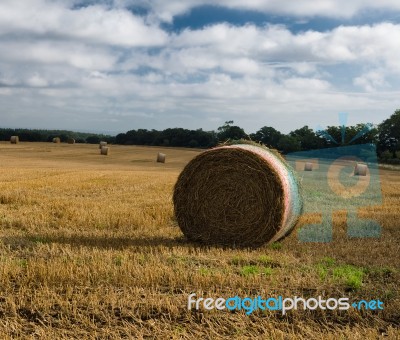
116 65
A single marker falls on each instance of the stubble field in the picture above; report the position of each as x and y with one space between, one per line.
89 250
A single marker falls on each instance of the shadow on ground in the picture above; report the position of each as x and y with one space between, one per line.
102 242
105 242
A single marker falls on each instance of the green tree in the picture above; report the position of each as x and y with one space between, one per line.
357 134
229 131
93 139
288 144
308 139
268 136
389 134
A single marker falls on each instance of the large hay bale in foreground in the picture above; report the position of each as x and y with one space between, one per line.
14 140
161 157
71 141
237 195
102 144
360 169
105 150
56 140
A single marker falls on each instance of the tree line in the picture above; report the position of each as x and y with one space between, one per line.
40 135
385 135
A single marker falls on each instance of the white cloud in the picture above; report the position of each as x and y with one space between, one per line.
102 64
307 84
370 44
74 54
37 81
371 81
94 24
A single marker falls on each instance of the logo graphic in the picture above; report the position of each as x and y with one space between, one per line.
345 177
259 303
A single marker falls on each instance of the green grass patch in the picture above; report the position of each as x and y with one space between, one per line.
264 260
267 271
118 261
276 246
322 272
384 272
255 270
249 270
23 263
204 271
350 276
328 261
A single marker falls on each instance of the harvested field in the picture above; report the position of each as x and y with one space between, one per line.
90 249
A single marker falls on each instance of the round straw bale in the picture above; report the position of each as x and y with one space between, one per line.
71 141
56 140
237 195
360 169
105 150
161 157
308 166
102 144
14 140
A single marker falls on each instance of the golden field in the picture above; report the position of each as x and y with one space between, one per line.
89 250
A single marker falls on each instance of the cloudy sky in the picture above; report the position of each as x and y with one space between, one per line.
116 65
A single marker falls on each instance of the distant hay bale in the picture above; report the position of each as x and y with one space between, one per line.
237 195
161 157
360 169
56 140
308 166
71 141
105 150
102 144
14 140
300 164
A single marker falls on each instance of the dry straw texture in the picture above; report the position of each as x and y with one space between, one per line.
14 139
308 166
360 169
161 157
56 140
73 269
238 195
105 150
71 141
102 144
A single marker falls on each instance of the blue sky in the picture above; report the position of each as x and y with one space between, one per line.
117 65
201 16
